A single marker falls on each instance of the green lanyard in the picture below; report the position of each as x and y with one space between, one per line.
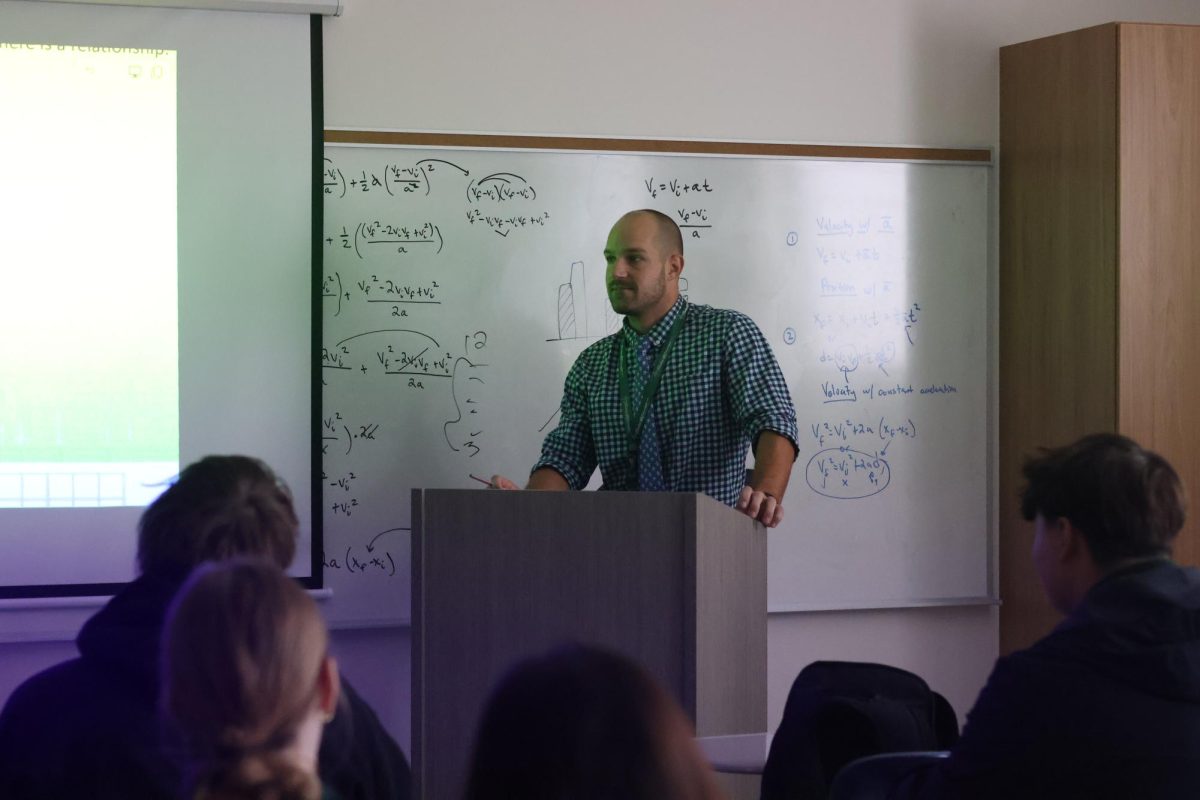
634 424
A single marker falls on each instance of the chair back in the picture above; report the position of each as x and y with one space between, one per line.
838 711
872 777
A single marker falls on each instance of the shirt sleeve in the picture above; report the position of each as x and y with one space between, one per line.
569 449
756 388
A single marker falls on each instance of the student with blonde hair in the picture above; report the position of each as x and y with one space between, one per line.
247 683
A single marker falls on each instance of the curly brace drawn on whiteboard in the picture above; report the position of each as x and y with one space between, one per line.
674 399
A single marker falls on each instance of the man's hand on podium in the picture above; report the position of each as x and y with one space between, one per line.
501 482
761 506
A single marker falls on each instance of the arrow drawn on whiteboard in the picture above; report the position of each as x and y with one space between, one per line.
447 163
371 544
391 330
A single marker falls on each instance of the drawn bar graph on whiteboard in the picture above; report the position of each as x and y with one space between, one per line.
571 309
572 305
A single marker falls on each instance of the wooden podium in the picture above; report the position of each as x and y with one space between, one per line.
676 581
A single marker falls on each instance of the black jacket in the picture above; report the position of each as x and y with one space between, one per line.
1106 706
89 727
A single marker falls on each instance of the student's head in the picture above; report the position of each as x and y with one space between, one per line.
1121 501
585 723
218 507
247 681
644 254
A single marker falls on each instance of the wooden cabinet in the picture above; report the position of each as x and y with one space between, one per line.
1099 266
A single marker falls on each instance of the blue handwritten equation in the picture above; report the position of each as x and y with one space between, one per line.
832 322
850 464
843 473
829 225
846 430
845 393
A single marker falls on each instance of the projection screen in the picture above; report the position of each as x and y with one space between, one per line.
156 218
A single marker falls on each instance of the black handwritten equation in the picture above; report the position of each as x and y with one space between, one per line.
500 187
393 238
419 363
340 434
694 220
370 558
503 225
393 179
497 202
385 291
464 431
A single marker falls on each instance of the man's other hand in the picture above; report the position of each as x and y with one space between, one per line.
501 482
759 505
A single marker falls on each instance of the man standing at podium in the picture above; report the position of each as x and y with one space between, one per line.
672 401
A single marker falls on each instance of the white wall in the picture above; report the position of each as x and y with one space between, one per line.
914 72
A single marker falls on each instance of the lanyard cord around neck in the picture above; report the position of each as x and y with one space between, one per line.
635 423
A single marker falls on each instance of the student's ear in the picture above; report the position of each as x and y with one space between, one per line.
1070 541
329 687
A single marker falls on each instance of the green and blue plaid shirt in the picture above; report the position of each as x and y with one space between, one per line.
720 389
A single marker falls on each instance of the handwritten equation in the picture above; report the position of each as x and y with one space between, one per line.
504 225
394 238
693 220
846 430
843 473
386 291
851 464
370 558
392 179
497 202
340 433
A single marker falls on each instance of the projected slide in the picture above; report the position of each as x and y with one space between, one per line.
89 377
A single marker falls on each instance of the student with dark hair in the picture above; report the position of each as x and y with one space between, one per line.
247 683
89 727
582 723
1108 704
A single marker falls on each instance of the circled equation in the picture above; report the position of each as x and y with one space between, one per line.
842 473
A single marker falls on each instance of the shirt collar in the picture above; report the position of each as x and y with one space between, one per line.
658 333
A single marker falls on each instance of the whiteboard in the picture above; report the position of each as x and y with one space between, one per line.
460 285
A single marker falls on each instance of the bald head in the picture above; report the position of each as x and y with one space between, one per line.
669 237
